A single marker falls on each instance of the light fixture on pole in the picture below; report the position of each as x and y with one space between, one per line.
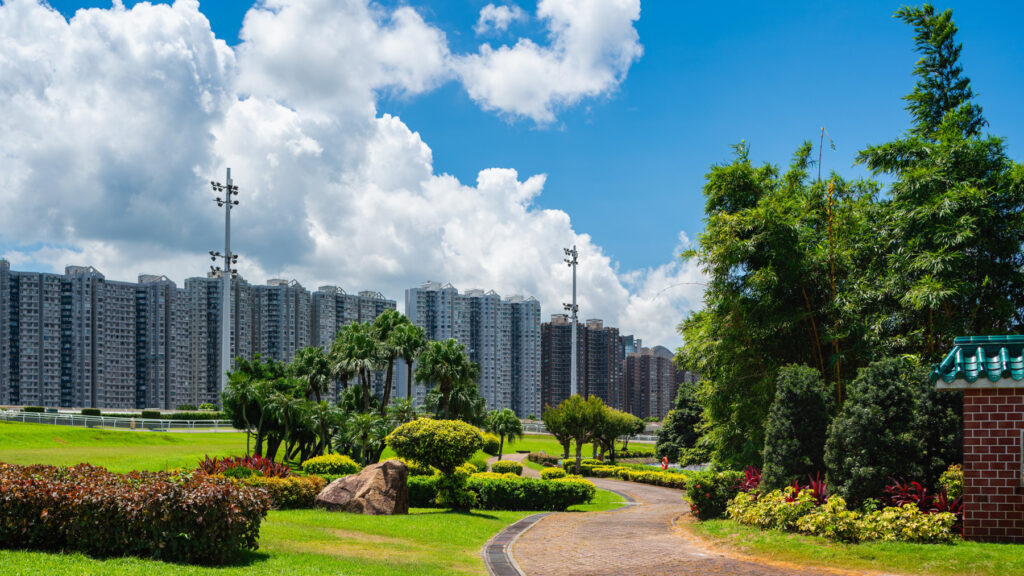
573 309
227 273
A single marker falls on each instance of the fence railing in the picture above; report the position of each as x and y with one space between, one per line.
117 422
539 428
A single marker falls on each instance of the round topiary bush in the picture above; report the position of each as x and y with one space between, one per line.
443 444
507 467
552 473
491 444
330 465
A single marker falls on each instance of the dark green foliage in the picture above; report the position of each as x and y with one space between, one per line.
543 458
185 407
207 406
89 411
875 436
709 493
939 424
508 493
491 444
33 409
151 414
445 445
680 430
794 446
507 467
175 517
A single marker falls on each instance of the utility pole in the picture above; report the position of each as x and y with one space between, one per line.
573 309
227 273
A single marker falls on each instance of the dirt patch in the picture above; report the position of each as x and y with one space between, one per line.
60 441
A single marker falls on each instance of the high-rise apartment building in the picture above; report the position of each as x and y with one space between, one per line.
281 319
203 300
32 335
652 381
162 344
599 361
502 335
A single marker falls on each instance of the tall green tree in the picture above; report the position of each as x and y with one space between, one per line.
312 366
358 349
680 431
554 423
581 419
954 225
783 255
384 328
798 420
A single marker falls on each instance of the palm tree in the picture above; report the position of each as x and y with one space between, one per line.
400 412
323 416
445 364
358 348
383 327
505 424
408 341
365 432
313 367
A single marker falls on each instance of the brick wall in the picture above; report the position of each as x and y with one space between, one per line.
993 497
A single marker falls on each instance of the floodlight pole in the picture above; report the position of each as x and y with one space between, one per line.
227 273
573 309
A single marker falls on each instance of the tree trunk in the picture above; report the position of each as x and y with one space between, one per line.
444 401
579 454
387 389
501 445
408 382
365 374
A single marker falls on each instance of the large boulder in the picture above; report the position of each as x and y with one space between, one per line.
379 489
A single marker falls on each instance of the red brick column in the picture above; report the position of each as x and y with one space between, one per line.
993 497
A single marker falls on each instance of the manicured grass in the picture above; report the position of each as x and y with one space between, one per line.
300 542
961 559
603 500
116 451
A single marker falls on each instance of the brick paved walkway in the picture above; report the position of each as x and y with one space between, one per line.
638 540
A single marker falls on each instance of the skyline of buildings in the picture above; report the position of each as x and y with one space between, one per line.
79 339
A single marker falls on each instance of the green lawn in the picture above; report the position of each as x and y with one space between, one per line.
961 559
423 543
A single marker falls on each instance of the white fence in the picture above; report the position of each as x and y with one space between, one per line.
539 428
117 423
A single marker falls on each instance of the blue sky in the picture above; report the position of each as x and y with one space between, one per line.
629 166
343 124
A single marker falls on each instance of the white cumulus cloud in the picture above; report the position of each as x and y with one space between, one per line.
498 18
115 121
592 44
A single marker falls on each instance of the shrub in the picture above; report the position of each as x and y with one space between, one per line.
205 406
874 436
778 509
491 443
175 517
507 467
288 493
552 473
906 524
479 461
185 407
709 493
196 416
443 444
508 492
151 414
794 444
35 409
635 453
832 520
953 481
418 469
330 465
569 465
543 458
89 411
258 464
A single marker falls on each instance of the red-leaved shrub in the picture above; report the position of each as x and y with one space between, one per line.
173 517
263 466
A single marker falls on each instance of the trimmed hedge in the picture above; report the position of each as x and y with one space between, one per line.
35 409
91 412
552 473
509 492
288 493
188 517
586 464
151 414
418 469
330 465
507 467
491 444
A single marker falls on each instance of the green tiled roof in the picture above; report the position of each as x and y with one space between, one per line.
974 358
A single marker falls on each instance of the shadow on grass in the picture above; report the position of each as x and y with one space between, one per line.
241 559
469 513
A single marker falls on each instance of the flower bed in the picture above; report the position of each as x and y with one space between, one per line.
188 517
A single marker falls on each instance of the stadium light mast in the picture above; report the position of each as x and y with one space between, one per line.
227 273
573 309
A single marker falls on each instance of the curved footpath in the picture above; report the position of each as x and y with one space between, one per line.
639 539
